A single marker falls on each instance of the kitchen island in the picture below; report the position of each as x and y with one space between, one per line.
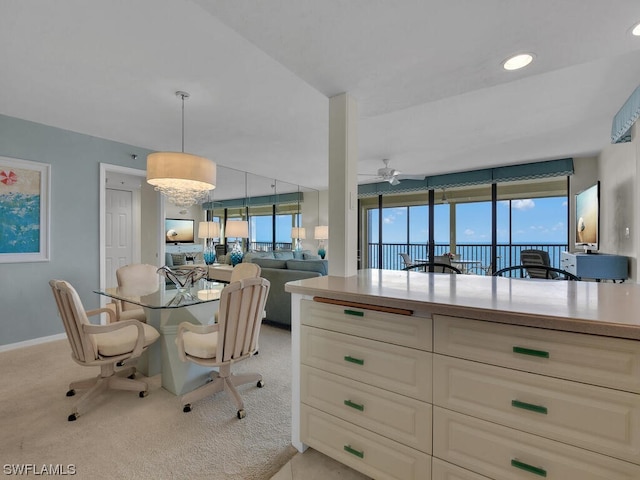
418 375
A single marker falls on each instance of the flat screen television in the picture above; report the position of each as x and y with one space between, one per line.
179 230
588 219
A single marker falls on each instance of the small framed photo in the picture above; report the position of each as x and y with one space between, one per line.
25 197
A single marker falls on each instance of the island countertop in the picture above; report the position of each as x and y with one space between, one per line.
610 309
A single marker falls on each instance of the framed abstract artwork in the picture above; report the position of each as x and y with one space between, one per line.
24 210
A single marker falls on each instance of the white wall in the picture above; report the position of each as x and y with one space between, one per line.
617 172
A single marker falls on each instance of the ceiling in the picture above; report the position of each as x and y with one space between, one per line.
426 75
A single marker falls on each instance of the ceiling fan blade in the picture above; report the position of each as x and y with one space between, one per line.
411 177
394 181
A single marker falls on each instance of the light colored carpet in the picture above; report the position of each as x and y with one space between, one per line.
124 436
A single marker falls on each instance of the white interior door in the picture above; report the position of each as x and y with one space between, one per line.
118 232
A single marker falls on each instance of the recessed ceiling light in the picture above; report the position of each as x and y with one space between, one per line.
636 30
517 61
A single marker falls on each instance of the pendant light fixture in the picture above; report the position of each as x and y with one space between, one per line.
183 178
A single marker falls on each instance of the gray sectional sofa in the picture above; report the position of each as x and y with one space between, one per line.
280 268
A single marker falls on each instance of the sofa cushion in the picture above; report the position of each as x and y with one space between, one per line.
283 255
269 262
310 256
319 266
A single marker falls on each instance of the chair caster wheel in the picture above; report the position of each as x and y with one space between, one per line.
143 394
260 384
71 393
241 414
72 418
186 408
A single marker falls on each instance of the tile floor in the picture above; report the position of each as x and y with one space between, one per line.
313 465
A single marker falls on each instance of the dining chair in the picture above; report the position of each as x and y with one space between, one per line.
542 272
140 276
232 339
111 347
245 270
435 267
535 258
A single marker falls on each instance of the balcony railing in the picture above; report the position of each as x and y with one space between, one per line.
268 246
507 254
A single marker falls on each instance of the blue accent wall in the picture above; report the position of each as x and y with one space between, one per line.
27 308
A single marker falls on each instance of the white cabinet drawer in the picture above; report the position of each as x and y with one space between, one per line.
397 417
409 331
398 369
596 418
502 453
362 450
604 361
441 470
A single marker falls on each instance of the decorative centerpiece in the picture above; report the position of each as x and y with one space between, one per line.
183 279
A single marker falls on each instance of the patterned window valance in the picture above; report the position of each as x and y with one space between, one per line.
281 199
527 171
625 118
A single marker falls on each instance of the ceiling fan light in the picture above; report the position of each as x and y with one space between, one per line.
636 30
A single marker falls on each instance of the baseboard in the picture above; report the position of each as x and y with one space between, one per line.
29 343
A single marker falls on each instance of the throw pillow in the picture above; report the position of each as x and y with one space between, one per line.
310 256
283 255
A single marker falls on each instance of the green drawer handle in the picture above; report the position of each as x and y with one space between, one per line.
357 361
357 406
529 351
353 451
529 406
528 468
354 312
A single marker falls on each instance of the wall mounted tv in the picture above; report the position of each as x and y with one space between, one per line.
179 230
588 218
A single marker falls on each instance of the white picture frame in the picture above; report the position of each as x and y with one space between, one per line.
25 211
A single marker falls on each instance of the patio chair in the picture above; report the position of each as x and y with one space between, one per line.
406 259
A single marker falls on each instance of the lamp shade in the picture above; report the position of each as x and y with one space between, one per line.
236 229
208 230
184 178
321 232
298 232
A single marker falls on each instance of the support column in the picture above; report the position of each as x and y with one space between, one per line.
343 185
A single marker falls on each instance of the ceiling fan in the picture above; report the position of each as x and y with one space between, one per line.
394 176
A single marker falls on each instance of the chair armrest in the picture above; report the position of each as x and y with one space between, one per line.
109 311
98 329
191 327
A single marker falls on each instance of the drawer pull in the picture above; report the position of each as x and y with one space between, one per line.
354 312
529 351
529 406
357 406
357 361
528 468
355 452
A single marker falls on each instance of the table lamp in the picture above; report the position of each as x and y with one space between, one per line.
298 233
236 229
209 231
321 232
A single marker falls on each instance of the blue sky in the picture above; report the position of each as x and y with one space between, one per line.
539 220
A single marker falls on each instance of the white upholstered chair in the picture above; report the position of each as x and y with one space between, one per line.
139 276
233 339
111 347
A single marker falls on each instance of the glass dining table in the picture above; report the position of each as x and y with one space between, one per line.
165 308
